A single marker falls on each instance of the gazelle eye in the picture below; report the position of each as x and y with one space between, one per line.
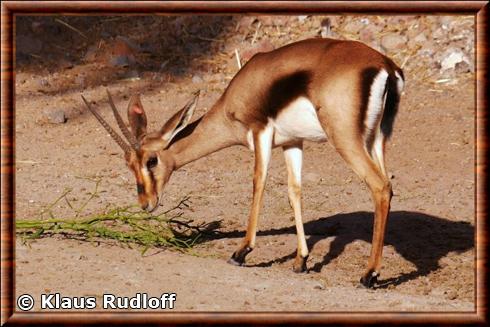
152 162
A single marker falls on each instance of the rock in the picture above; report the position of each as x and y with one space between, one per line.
302 18
464 67
282 20
354 26
197 79
418 40
43 82
439 34
446 22
421 38
398 20
122 53
246 22
414 30
274 20
55 116
393 41
370 33
265 20
451 294
427 50
366 36
453 57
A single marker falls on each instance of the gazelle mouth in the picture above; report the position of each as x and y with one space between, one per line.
152 206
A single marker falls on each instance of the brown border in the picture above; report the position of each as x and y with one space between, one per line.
10 8
481 151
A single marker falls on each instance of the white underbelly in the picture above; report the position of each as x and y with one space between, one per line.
298 121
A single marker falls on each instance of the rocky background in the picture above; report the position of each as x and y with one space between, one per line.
64 52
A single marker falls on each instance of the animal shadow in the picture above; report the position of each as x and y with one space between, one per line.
419 238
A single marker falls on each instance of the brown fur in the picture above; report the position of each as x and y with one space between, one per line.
335 76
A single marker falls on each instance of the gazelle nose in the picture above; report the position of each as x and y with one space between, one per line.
150 207
144 206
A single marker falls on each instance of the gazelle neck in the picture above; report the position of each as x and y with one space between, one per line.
206 135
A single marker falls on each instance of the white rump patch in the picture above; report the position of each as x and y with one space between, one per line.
376 101
298 121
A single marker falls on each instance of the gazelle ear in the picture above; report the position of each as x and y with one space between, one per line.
180 120
137 116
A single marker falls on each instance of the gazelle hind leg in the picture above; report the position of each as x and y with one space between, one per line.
294 161
380 187
263 149
353 151
377 153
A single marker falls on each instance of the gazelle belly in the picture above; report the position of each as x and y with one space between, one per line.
298 121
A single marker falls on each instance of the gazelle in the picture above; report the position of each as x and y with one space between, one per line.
315 89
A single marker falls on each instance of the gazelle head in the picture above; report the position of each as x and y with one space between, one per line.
146 154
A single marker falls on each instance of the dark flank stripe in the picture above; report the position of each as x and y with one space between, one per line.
284 91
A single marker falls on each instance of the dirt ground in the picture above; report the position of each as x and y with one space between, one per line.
429 256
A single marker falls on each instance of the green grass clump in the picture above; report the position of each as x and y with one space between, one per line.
128 225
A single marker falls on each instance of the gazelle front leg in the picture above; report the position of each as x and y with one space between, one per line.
294 161
262 147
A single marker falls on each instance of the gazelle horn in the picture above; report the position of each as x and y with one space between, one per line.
112 133
129 136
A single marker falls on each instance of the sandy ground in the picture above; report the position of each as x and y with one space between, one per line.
428 261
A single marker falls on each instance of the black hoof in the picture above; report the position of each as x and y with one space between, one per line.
238 258
232 261
299 265
369 279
